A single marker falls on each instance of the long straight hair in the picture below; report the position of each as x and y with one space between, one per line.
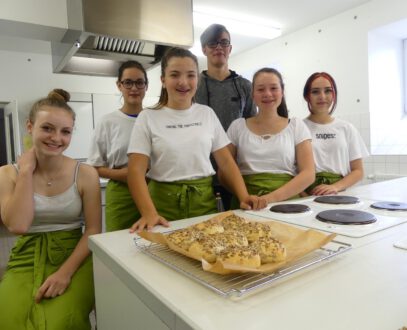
282 108
169 54
128 65
310 80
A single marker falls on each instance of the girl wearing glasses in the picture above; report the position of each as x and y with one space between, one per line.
338 146
53 203
273 152
173 141
108 152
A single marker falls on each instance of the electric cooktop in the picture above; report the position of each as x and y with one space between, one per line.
344 215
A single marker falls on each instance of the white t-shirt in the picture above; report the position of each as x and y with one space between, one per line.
178 142
268 153
110 140
335 145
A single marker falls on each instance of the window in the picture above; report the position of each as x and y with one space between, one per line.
387 89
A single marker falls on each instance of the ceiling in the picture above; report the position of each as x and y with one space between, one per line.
289 15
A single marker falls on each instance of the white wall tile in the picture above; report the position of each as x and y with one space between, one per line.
380 167
392 168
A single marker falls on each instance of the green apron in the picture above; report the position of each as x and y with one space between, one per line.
183 199
323 178
33 258
121 211
263 183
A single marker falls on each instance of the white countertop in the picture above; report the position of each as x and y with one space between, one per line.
365 288
103 182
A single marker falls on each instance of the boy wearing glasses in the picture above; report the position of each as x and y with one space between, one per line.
226 92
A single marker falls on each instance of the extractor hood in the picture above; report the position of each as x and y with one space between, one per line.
102 34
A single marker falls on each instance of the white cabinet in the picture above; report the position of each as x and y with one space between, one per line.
82 133
104 104
89 108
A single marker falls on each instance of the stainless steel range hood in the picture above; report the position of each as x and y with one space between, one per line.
102 34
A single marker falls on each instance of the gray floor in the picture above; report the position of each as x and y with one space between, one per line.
6 243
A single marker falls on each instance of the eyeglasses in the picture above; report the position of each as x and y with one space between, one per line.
128 83
224 43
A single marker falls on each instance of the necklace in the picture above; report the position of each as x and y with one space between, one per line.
49 181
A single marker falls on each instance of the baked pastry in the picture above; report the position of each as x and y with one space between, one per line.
210 245
269 249
232 240
256 230
233 223
243 256
209 227
183 238
207 249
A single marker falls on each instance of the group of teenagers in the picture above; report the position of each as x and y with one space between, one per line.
209 132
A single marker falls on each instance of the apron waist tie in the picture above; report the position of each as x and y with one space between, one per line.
184 196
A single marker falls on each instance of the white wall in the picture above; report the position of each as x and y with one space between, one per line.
26 64
26 77
338 45
42 12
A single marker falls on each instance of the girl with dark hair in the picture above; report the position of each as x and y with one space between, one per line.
273 152
337 145
108 152
46 198
173 141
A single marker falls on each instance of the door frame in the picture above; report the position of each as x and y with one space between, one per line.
12 128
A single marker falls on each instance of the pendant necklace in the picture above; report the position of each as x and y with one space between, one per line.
50 180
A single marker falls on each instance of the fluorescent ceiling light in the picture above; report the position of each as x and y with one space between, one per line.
196 49
236 23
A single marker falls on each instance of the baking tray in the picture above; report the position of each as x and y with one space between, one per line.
237 284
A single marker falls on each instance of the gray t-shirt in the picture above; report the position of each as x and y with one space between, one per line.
230 98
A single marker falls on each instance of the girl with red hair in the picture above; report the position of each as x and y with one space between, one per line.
337 145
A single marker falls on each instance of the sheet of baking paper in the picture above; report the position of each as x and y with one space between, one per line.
298 243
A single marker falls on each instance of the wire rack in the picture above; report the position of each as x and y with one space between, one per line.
238 284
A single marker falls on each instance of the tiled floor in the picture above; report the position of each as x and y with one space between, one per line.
6 244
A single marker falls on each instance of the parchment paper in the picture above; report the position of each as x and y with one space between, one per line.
298 243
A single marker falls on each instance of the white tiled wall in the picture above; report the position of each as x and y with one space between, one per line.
377 167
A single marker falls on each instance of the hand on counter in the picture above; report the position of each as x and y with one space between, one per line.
148 222
325 189
252 202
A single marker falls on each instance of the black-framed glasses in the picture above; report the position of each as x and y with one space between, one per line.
224 43
128 83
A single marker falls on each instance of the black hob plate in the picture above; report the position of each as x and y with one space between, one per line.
390 206
337 199
346 217
290 208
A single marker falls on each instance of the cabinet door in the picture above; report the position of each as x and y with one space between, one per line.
82 134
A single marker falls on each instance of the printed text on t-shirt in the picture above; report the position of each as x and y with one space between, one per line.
183 125
325 136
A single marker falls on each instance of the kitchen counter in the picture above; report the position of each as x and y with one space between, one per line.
364 288
103 182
